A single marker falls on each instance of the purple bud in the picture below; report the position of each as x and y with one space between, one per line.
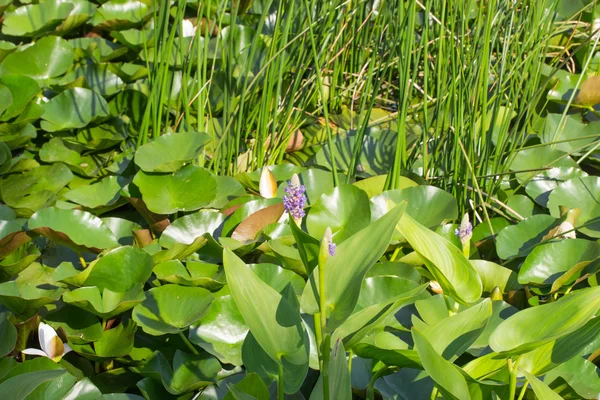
465 230
331 249
294 200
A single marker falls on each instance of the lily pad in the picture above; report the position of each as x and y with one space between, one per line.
73 227
582 193
73 108
106 303
188 189
49 57
186 229
170 152
103 193
520 240
171 309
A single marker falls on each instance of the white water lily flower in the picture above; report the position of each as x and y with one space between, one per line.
52 345
267 185
566 230
187 28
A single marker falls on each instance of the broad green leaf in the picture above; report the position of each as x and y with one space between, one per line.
541 390
574 134
47 58
547 262
170 152
103 193
105 303
221 331
452 336
389 349
22 90
8 332
117 341
189 227
34 19
339 376
345 271
580 374
493 275
520 240
171 309
251 386
345 210
273 321
195 273
119 270
119 15
427 205
73 108
445 374
33 288
533 327
188 189
188 373
556 352
582 193
445 261
20 386
80 326
73 227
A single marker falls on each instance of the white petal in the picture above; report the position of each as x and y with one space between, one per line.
35 352
67 348
46 333
267 184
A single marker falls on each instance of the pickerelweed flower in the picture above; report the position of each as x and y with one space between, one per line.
465 230
51 344
294 200
332 249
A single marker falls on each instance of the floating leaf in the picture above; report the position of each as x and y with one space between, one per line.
520 240
188 189
582 193
49 57
103 193
170 152
105 303
73 108
73 227
171 308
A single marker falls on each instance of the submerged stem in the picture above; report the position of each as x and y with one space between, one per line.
188 343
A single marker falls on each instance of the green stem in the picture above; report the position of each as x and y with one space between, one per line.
523 390
512 369
326 351
280 382
318 336
188 344
371 386
434 393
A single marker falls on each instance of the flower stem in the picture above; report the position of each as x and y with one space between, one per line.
318 336
326 350
188 343
280 385
512 369
523 390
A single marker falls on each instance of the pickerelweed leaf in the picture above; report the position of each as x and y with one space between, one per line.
273 321
170 152
541 390
73 108
580 374
345 271
188 189
445 374
445 261
73 227
339 376
21 386
533 327
171 309
49 57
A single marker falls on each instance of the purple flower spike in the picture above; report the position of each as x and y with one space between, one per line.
465 230
331 249
295 200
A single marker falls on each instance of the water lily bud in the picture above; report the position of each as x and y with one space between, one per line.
294 200
435 287
267 185
51 344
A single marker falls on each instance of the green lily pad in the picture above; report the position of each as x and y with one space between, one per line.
195 273
103 193
116 342
171 309
170 152
80 326
576 137
520 240
186 229
188 373
98 77
188 189
8 333
32 190
582 193
540 186
222 330
34 19
33 288
22 90
106 303
548 262
56 150
73 108
73 227
345 210
120 269
120 14
49 57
